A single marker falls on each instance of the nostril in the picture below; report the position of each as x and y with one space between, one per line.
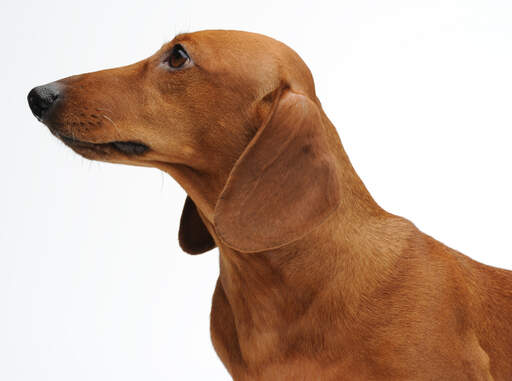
40 99
35 103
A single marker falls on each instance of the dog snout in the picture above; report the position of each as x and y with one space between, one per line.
42 98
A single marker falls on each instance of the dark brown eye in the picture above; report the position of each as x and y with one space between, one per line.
178 57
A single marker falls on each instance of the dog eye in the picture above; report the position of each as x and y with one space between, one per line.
178 57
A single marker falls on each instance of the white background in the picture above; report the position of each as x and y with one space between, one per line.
93 285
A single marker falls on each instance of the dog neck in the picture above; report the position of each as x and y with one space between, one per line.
294 288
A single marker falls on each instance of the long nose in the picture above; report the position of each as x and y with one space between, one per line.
42 98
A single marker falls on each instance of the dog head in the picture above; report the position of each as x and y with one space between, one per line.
233 116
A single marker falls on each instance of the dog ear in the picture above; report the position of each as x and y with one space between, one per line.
285 182
193 236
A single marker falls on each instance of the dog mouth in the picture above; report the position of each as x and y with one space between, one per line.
129 148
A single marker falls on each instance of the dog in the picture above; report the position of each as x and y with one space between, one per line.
317 282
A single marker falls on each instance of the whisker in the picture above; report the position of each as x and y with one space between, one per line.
113 123
103 109
73 117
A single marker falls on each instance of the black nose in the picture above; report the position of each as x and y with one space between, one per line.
41 99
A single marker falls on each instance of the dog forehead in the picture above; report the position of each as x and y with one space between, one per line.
233 40
256 57
218 50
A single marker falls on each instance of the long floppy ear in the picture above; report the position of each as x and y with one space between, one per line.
193 236
285 182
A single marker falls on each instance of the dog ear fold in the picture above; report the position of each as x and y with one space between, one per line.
284 184
193 236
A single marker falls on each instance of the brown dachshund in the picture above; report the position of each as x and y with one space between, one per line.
317 282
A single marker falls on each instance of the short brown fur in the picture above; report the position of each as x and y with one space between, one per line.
316 281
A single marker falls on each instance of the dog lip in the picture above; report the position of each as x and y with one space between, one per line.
125 147
131 148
